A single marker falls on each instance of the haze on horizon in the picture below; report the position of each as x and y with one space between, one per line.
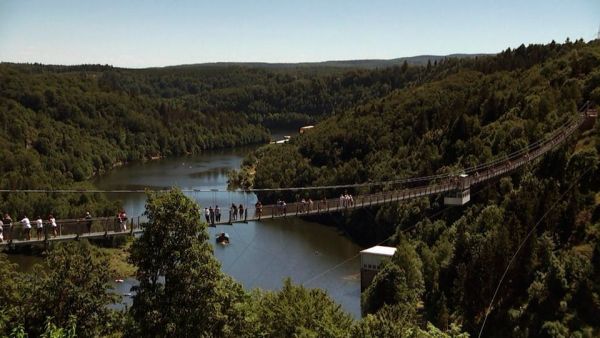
160 33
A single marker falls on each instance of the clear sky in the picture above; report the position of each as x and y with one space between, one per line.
134 33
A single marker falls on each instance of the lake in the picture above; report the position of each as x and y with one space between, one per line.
261 254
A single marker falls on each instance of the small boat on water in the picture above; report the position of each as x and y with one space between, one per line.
223 238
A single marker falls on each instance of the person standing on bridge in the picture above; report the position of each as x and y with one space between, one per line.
218 214
122 220
212 215
258 210
88 222
233 211
7 226
241 210
207 215
26 227
39 227
53 225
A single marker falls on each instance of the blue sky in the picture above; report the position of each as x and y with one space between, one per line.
158 33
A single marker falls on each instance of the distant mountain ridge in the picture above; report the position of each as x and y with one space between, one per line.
418 60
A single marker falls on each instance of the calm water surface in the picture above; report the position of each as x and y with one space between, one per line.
261 254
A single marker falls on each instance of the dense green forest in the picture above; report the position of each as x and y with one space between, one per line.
450 260
61 125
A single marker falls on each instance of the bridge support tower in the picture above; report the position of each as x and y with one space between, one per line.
462 194
591 115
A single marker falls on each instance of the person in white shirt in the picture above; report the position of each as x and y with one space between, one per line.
39 227
53 225
207 215
26 227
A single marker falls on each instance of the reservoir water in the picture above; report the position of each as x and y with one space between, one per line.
261 254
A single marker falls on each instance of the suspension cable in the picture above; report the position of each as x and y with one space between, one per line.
514 256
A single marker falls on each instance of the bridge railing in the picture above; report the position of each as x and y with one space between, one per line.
319 206
410 190
93 227
479 174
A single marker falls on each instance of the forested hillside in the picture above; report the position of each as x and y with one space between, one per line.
464 113
61 125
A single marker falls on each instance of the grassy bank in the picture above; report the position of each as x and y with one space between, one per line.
117 260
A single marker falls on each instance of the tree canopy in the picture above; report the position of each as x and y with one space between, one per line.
59 126
464 113
181 291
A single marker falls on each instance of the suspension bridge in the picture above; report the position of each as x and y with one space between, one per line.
455 187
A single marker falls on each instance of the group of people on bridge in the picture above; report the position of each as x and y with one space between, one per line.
280 208
7 224
346 200
213 215
49 226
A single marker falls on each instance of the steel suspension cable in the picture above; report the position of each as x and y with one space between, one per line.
512 259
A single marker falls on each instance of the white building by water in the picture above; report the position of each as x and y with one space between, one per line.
370 260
